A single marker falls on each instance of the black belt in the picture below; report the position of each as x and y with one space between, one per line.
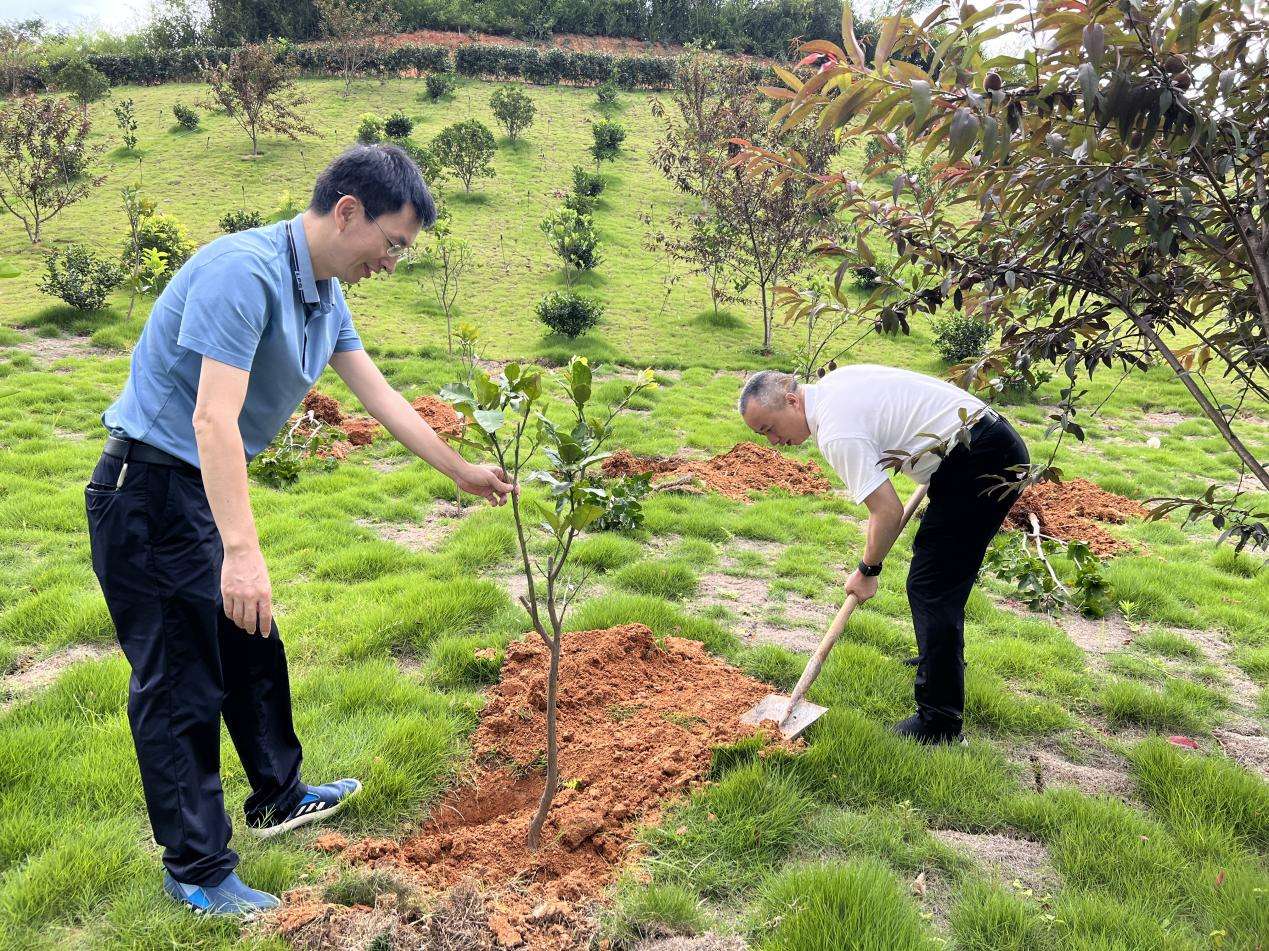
132 451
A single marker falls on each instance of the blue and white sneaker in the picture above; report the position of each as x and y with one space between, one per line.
318 802
230 897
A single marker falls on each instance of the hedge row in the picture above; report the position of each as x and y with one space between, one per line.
483 60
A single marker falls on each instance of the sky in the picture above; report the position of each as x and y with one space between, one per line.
113 15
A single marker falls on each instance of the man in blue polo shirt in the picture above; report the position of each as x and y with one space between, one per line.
233 343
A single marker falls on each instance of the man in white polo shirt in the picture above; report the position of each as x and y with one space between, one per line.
867 419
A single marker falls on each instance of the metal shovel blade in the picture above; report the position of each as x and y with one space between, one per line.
771 709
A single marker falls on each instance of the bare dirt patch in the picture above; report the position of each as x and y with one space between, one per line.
638 719
1011 859
1099 771
705 942
1071 510
49 350
426 536
1165 420
31 674
745 468
1247 749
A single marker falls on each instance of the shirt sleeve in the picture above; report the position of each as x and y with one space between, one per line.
226 310
348 338
858 461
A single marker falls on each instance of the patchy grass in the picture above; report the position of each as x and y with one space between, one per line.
389 647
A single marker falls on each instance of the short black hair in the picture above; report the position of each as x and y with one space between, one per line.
382 177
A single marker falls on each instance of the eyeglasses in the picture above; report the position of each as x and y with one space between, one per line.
395 249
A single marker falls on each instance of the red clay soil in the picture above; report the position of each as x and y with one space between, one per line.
439 415
325 408
745 468
637 722
1071 510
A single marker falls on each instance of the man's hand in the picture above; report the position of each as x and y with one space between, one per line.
489 482
861 586
247 593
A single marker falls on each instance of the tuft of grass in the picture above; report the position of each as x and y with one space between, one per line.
1169 644
355 887
1188 790
1180 705
464 662
727 837
652 913
986 917
673 580
605 552
853 906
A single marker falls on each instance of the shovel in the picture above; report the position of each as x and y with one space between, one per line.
793 714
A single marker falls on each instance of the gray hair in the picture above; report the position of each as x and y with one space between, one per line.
768 388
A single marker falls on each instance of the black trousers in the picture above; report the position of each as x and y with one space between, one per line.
157 554
947 554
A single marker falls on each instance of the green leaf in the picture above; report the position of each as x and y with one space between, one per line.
920 102
963 133
490 420
583 515
456 393
849 41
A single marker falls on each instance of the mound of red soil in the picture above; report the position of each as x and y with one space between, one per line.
1071 510
361 430
637 722
325 408
745 468
439 415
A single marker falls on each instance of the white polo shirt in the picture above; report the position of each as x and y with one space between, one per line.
858 414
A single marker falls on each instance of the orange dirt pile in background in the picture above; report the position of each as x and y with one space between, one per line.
1071 510
439 415
745 468
325 408
637 722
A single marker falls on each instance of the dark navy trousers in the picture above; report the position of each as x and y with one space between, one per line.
157 554
947 553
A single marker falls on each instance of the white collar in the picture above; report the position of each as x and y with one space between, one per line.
809 396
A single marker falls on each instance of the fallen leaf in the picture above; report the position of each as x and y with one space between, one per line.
918 885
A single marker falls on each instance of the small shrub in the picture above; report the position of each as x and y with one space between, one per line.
513 109
961 337
398 126
573 238
866 278
569 313
465 148
166 235
582 204
606 92
186 117
83 81
126 116
240 219
608 137
80 278
371 129
440 85
588 183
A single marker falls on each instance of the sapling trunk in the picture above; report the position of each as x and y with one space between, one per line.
552 748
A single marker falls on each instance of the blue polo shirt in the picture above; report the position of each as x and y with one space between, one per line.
238 300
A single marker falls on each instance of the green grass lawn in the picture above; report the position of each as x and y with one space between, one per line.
851 844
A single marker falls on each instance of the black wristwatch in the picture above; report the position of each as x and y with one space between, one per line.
869 571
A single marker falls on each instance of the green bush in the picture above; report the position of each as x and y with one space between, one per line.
569 313
165 234
371 129
608 137
126 117
573 238
466 149
440 85
582 204
513 109
587 183
398 126
186 117
425 159
606 92
79 277
961 337
240 220
83 81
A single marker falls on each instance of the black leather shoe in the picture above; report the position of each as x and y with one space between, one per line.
911 661
917 729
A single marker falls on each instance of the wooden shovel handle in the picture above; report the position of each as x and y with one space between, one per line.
839 622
